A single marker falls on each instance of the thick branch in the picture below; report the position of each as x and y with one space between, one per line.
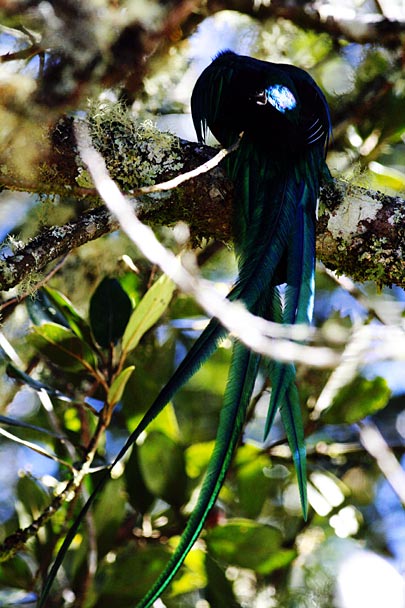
360 233
52 243
332 20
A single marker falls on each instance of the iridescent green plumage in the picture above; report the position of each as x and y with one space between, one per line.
276 170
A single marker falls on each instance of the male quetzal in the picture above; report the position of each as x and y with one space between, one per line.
285 121
276 169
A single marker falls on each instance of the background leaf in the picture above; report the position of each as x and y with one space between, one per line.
148 311
73 319
62 347
357 400
163 468
41 309
110 310
247 544
118 386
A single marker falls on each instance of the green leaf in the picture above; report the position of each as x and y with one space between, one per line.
148 311
109 513
356 400
41 310
163 468
167 423
62 347
219 591
73 318
118 386
131 574
252 483
198 457
383 177
110 310
247 544
131 284
17 573
33 499
139 496
191 577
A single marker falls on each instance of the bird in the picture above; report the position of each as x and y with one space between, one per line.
282 120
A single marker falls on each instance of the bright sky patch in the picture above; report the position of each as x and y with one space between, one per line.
280 97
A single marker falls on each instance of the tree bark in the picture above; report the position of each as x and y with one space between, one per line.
359 232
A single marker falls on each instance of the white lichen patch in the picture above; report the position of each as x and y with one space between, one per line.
136 154
58 232
398 216
354 210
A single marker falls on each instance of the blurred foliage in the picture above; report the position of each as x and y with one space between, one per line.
87 354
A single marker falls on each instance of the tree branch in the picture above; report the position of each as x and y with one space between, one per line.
349 24
360 233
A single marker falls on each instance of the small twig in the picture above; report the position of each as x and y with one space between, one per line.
17 540
35 448
27 53
184 177
377 447
48 407
20 298
350 286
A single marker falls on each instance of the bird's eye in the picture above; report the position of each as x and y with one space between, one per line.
280 97
260 98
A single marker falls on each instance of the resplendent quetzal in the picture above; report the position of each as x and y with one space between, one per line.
276 169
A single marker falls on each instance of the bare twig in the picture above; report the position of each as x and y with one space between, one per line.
350 286
180 179
35 447
7 307
16 541
377 447
26 53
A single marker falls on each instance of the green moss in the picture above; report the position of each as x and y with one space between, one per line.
83 179
376 260
47 174
136 154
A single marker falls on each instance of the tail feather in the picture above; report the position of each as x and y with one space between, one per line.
297 309
265 242
292 419
244 368
200 351
301 262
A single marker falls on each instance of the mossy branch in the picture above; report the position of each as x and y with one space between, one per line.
360 233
